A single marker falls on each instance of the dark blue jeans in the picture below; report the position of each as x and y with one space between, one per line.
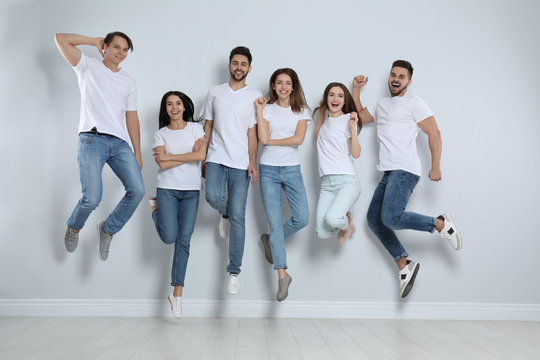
175 222
387 213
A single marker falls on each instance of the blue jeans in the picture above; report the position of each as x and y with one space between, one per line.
175 222
226 191
94 151
338 194
273 179
387 213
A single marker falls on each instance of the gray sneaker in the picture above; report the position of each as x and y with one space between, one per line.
71 239
265 240
283 288
104 242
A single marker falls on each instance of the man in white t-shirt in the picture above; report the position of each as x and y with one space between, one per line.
399 119
230 128
108 121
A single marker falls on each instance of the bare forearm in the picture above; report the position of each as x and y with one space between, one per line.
167 164
292 140
435 147
132 124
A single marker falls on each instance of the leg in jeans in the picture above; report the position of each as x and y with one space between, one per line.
124 164
338 194
387 211
216 187
188 205
92 155
166 216
237 187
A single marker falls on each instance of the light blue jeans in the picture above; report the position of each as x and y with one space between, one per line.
273 179
94 151
337 196
226 191
175 221
387 213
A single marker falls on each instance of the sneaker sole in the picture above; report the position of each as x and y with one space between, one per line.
409 286
458 234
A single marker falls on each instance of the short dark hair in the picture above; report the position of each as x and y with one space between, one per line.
110 36
240 50
165 120
404 64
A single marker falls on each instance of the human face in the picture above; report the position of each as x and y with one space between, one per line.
116 51
398 81
239 67
283 86
175 107
335 101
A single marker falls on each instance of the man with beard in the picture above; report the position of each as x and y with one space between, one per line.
230 128
399 118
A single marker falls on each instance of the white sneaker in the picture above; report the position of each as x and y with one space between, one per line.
450 231
176 306
407 276
234 284
152 201
224 227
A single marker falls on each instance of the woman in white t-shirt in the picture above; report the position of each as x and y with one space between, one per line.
337 145
179 147
282 124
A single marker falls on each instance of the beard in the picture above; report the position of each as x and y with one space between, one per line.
236 78
396 92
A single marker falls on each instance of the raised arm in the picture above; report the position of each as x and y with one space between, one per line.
359 81
134 131
67 45
354 144
429 126
262 123
319 123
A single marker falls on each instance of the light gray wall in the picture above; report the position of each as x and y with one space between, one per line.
476 66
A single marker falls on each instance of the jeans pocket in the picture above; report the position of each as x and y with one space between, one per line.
87 138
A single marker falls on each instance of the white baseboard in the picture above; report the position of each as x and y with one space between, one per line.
271 309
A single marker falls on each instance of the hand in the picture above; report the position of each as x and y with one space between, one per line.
160 157
139 160
260 103
253 172
359 81
199 144
99 45
435 174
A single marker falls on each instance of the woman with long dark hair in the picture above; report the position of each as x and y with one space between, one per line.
282 124
337 144
179 147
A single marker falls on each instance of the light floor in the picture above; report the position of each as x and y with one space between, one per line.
228 338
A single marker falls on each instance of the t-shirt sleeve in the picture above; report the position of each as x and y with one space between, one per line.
157 140
207 112
198 131
131 101
82 65
420 110
305 115
371 108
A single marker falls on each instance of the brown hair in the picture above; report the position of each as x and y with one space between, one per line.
110 36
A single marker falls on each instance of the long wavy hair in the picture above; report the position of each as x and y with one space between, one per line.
164 119
348 106
297 99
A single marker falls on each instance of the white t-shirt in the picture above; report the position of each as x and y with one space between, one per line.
188 175
233 113
397 129
282 124
333 147
105 97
